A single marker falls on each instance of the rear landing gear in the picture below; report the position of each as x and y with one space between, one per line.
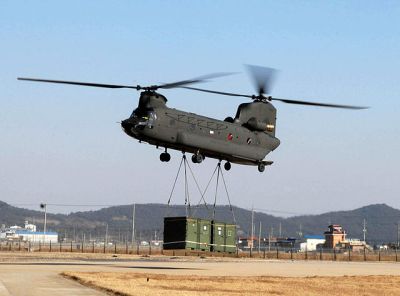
261 167
227 166
197 158
165 156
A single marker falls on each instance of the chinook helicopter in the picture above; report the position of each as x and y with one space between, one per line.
245 139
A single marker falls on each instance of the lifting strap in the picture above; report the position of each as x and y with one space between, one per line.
188 206
217 171
229 199
173 187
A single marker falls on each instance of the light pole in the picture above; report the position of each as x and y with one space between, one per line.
133 223
44 206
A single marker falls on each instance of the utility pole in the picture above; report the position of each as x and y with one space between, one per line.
364 229
269 242
106 238
280 229
259 238
398 234
133 223
300 232
252 229
44 206
271 234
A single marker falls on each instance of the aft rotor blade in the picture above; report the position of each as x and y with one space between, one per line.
80 83
318 104
217 92
194 80
263 78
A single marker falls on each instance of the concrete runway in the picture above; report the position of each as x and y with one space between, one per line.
41 277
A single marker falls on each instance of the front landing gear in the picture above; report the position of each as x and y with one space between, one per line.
261 167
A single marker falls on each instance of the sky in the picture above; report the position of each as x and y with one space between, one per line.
63 145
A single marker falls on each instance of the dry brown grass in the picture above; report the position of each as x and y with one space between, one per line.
125 283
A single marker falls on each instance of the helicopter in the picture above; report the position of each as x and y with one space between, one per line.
245 139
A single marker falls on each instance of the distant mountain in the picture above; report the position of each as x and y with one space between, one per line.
381 221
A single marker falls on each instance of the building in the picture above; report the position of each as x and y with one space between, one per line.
312 242
334 236
247 242
37 236
30 227
354 244
28 234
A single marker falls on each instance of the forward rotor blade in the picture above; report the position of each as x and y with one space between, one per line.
318 104
80 83
194 80
263 78
216 92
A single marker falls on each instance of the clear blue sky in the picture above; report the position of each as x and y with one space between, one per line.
61 144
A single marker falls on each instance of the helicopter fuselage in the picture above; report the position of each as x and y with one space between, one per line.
153 122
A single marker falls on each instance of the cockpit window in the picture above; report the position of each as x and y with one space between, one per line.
144 118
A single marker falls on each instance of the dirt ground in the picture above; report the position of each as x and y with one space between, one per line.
186 275
161 284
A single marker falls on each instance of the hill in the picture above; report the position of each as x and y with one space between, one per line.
117 220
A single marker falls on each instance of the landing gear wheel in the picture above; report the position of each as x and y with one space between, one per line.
227 166
197 158
261 167
165 157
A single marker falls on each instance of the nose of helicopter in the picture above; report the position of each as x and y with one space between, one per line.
127 126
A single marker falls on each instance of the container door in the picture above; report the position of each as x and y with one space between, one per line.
191 234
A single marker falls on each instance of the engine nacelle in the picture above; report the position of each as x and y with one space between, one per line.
258 125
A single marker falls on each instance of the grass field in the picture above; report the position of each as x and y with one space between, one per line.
123 283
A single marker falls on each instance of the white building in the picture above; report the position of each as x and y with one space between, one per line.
311 243
37 236
31 227
28 234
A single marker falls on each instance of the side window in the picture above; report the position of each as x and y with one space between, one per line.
152 116
229 232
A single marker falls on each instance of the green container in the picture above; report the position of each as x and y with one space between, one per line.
204 234
223 237
187 233
230 238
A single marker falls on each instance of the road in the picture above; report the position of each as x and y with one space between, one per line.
27 276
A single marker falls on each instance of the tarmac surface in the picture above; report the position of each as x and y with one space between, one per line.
35 276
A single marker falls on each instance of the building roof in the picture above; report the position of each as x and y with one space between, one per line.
35 232
314 236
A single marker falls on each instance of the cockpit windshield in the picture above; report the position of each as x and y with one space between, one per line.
143 118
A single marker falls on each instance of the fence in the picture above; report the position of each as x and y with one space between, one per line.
73 247
324 254
138 249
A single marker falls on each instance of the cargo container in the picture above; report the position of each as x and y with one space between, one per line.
223 237
187 233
